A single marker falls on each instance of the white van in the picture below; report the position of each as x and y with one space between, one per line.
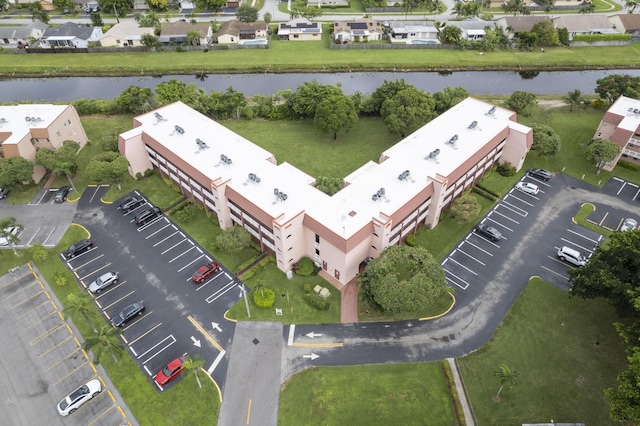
572 256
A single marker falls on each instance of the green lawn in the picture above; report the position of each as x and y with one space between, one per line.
388 394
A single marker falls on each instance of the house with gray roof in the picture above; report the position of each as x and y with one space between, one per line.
411 31
177 32
473 29
626 23
13 36
515 25
70 34
237 32
584 24
299 29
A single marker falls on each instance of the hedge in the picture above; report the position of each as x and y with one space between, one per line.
602 37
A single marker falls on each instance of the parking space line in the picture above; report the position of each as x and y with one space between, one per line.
193 261
513 208
160 230
146 225
119 300
180 255
503 215
36 308
97 270
17 280
17 293
204 333
464 287
164 239
605 216
173 246
519 199
471 257
201 286
145 333
218 294
455 261
554 272
62 360
636 196
41 320
86 263
582 236
69 374
31 297
113 287
32 238
624 183
216 362
104 413
47 333
478 247
155 346
55 346
618 179
590 250
44 243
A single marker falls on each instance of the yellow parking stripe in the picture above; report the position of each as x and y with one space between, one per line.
41 320
47 333
22 288
54 347
69 373
204 333
30 311
29 298
61 360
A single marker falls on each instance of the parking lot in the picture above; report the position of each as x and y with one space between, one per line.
43 360
155 262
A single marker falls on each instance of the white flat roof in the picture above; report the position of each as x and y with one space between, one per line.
351 208
627 107
19 119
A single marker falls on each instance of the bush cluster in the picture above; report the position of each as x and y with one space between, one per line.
411 240
314 300
264 297
186 212
258 267
506 170
629 166
484 192
305 267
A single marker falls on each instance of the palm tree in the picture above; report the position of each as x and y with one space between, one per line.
6 223
631 5
590 8
573 98
516 6
107 339
81 303
67 169
507 377
193 38
194 364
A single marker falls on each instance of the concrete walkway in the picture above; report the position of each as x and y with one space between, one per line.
462 395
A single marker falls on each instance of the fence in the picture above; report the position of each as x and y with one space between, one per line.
140 49
364 46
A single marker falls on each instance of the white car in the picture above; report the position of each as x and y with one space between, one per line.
527 188
78 397
629 225
13 230
103 282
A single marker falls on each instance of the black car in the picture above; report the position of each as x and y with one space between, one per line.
125 315
61 194
489 232
541 174
147 215
78 248
131 203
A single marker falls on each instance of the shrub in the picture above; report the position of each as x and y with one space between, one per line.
411 240
506 170
257 268
484 193
60 279
38 252
307 289
186 213
629 166
264 297
305 267
148 172
317 302
170 184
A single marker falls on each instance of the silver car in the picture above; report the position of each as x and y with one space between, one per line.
103 282
629 225
14 230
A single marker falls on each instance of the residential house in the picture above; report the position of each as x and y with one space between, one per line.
26 128
70 34
126 33
584 24
236 32
333 3
413 31
621 125
299 29
515 25
473 29
626 23
177 32
14 36
380 204
356 31
234 4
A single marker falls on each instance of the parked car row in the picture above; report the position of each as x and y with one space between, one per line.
12 230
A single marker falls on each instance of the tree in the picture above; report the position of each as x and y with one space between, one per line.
631 5
6 223
109 167
387 90
64 160
409 108
336 113
175 90
517 7
545 140
403 279
450 35
158 4
148 40
96 19
624 399
246 13
613 86
528 40
546 32
563 36
407 6
105 339
121 6
234 239
80 303
194 364
210 4
601 151
267 18
465 208
328 185
308 96
573 98
507 377
449 97
136 100
58 4
15 171
148 20
589 8
223 106
193 37
522 102
38 13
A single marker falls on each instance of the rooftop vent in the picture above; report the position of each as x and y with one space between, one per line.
179 129
433 154
636 111
3 120
32 119
280 195
404 175
473 125
225 159
378 195
201 144
254 178
158 116
453 140
492 110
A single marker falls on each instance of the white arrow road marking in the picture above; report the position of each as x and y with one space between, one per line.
216 326
312 356
312 335
195 341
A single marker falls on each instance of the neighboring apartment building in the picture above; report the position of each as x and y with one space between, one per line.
380 203
26 128
621 125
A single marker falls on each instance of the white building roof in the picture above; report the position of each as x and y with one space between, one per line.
351 208
628 108
19 119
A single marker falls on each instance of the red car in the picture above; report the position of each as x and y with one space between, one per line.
204 272
170 371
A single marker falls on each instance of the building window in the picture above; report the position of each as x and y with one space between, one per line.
317 239
69 121
317 252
